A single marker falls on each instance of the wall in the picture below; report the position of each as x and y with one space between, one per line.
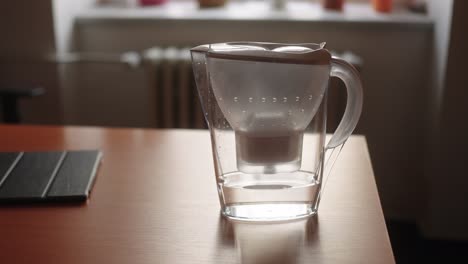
108 94
64 12
37 30
27 30
446 213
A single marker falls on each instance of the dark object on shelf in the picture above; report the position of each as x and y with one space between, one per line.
419 7
336 5
9 101
383 6
152 2
47 176
211 3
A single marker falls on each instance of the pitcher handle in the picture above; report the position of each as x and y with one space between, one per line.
349 75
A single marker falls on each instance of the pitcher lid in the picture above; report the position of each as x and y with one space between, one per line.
302 53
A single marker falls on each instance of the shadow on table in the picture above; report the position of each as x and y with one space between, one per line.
282 242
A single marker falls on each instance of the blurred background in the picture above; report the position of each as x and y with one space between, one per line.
126 63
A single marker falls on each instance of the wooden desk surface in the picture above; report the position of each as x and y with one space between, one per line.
155 201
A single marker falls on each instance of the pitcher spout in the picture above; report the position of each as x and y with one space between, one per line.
201 48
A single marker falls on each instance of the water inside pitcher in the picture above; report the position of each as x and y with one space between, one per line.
265 105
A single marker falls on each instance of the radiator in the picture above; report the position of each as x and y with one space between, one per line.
176 102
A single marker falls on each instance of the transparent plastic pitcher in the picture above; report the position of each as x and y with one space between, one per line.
265 106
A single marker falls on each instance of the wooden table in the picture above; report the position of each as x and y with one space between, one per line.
155 201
